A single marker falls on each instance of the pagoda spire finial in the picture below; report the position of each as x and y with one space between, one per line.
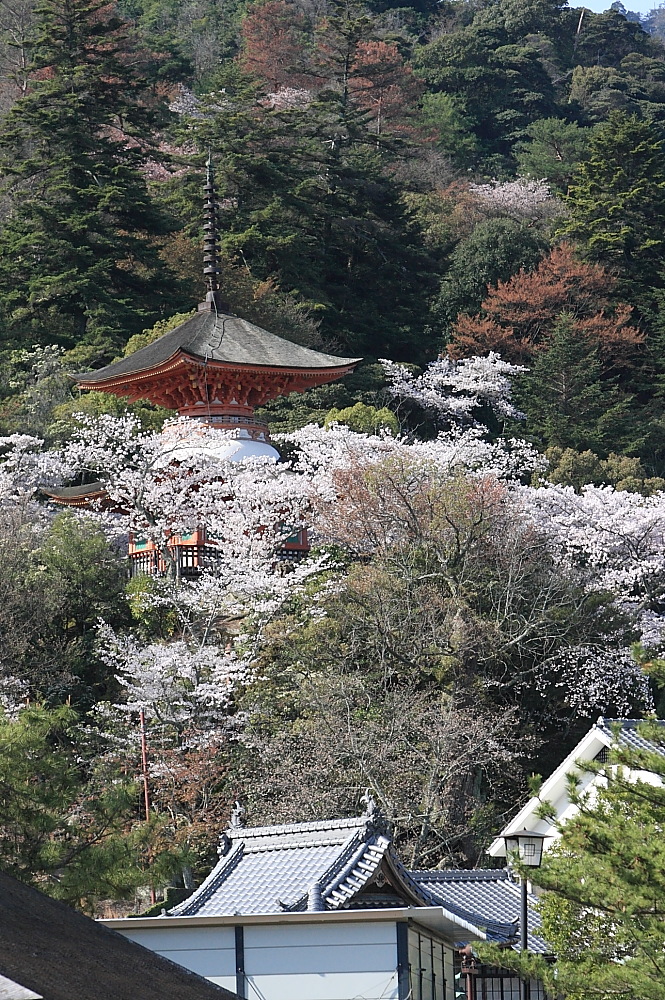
211 268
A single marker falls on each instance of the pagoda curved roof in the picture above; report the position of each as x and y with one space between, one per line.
222 338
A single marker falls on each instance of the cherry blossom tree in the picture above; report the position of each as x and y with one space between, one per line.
456 390
523 199
455 568
158 485
456 587
174 683
376 494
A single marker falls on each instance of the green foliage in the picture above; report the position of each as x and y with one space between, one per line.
607 38
494 251
63 826
54 587
617 201
289 413
78 256
603 904
364 419
76 563
567 402
41 398
35 382
318 212
161 327
552 151
504 86
65 416
578 469
443 115
153 619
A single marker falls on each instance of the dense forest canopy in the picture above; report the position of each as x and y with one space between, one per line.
471 195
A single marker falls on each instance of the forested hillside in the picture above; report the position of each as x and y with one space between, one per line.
394 180
469 194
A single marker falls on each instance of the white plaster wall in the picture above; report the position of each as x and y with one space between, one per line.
209 951
288 962
321 961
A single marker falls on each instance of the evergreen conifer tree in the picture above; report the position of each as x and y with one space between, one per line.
604 905
78 257
67 824
566 400
312 205
617 201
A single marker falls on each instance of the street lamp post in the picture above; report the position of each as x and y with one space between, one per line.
527 847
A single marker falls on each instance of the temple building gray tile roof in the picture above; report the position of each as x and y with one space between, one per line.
347 864
627 734
322 865
489 896
219 338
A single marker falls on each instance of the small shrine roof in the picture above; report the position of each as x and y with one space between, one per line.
70 493
219 337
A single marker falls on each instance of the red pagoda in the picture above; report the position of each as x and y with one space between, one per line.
216 368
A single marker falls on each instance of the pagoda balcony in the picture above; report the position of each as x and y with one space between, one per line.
233 421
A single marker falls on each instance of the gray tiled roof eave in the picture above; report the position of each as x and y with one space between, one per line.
226 339
628 735
488 898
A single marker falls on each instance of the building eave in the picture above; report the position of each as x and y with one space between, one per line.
184 359
436 918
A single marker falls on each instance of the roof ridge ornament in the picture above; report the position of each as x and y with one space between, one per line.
237 821
372 812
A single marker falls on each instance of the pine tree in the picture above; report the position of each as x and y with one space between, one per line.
312 206
78 257
617 201
65 825
274 45
566 400
603 908
553 150
384 86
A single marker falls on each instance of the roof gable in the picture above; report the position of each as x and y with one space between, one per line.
554 789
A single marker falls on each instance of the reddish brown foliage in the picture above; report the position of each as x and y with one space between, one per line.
382 84
187 786
274 37
517 318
